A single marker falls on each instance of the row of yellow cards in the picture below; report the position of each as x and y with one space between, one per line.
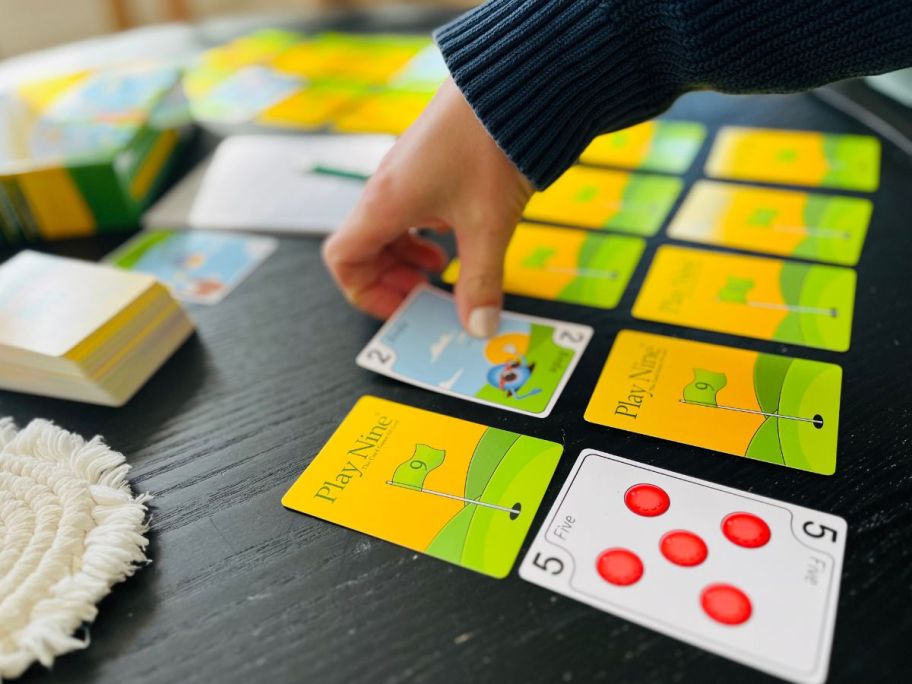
751 296
775 221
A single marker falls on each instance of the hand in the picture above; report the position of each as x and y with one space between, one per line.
444 173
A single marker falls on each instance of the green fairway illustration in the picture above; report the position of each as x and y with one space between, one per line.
821 300
606 263
804 389
799 401
509 473
646 201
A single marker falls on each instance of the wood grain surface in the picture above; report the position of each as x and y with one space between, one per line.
241 590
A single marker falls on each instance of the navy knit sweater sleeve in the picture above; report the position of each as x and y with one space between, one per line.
547 76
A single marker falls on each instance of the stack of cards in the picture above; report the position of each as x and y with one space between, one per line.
196 266
567 265
82 331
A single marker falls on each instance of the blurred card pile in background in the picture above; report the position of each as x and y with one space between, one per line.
85 152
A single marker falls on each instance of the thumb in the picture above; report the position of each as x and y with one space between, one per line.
479 290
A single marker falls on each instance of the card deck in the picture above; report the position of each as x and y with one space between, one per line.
455 490
661 145
746 577
567 265
598 198
769 299
196 266
851 162
523 368
763 406
782 222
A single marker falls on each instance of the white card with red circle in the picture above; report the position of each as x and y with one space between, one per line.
746 577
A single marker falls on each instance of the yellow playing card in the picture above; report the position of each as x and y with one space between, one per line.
598 198
567 265
769 299
763 406
455 490
388 111
315 106
783 222
669 146
365 59
851 162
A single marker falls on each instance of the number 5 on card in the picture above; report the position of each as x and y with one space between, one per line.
750 578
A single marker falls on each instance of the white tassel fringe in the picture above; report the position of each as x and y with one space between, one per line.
70 528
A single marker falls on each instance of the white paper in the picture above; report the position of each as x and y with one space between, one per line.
264 183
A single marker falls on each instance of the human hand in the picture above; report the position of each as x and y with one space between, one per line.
444 173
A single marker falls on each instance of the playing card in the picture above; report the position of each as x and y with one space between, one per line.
598 198
851 162
196 266
746 577
660 145
388 111
763 406
244 94
352 58
783 222
567 265
312 107
769 299
523 368
459 491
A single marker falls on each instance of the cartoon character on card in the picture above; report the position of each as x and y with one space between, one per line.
511 370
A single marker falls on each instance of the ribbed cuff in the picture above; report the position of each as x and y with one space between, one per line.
547 76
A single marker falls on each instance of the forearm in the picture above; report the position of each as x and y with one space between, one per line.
546 76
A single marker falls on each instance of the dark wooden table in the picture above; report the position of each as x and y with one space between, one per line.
242 590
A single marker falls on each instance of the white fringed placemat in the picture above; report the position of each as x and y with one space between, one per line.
70 528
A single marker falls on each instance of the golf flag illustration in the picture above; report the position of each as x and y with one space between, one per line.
766 217
767 407
737 290
707 384
458 491
540 257
412 473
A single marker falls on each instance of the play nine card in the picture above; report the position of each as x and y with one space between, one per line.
458 491
766 407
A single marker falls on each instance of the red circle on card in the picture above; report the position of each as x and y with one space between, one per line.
746 529
683 548
619 566
726 604
647 500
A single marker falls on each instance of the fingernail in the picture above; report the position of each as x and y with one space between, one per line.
483 321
